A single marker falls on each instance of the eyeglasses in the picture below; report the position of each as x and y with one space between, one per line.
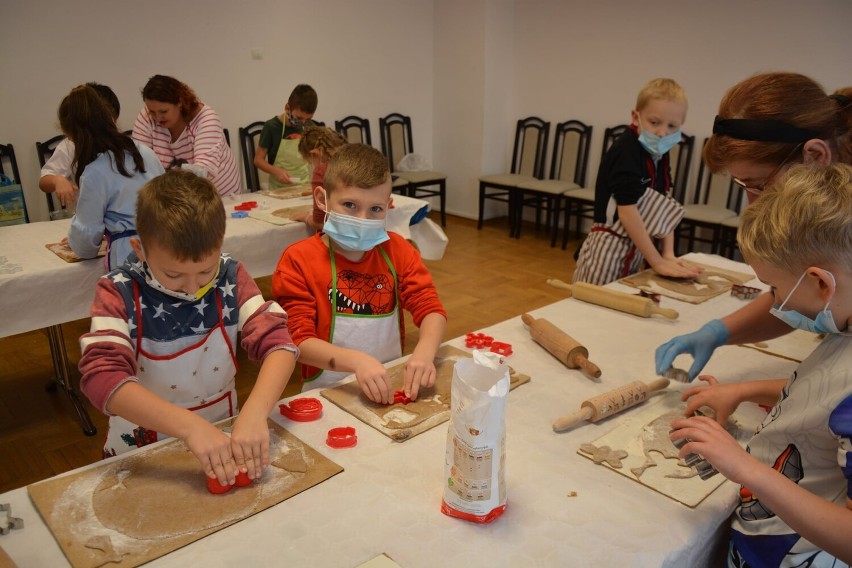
757 190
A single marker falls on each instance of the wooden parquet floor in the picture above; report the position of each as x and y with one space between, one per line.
484 278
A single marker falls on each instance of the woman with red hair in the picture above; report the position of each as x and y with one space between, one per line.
186 133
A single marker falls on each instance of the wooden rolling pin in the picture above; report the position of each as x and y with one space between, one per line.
561 345
609 403
621 301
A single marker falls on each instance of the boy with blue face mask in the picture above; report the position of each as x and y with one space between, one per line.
796 474
344 289
632 202
160 356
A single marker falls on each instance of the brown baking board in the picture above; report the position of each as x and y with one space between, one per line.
282 215
132 510
64 252
288 192
713 282
643 433
403 421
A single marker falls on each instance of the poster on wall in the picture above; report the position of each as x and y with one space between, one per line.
12 207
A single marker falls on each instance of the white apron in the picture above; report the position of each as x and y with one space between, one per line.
608 253
376 335
199 378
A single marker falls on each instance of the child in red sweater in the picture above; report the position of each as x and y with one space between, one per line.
344 289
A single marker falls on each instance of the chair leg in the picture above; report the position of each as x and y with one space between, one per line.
566 224
514 217
481 205
443 198
557 205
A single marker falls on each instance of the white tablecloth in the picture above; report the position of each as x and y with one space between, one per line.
388 498
39 289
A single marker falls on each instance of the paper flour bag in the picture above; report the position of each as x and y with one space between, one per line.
475 489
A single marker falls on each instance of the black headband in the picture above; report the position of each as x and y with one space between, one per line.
762 130
841 100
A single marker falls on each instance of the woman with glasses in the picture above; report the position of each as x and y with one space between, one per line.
765 124
186 133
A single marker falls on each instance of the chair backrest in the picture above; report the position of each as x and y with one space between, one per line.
249 136
7 156
530 150
680 160
611 134
717 189
395 133
355 129
45 149
227 136
571 142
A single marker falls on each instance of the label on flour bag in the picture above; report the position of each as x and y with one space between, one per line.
474 468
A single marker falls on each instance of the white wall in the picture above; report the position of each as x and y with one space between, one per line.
464 70
588 60
370 58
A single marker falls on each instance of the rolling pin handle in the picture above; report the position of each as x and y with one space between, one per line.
657 384
587 366
571 420
556 283
665 312
527 319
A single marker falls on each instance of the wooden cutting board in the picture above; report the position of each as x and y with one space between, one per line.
651 458
403 421
131 510
713 282
288 192
281 215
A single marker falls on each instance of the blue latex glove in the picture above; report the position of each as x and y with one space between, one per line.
700 344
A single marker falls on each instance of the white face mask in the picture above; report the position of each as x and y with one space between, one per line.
824 322
152 281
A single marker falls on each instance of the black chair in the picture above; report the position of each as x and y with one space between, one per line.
397 142
355 129
44 150
528 155
716 199
571 142
580 203
7 155
249 137
227 136
680 162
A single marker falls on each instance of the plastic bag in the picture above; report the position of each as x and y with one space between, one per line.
413 163
475 489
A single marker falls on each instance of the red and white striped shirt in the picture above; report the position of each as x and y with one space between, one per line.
202 143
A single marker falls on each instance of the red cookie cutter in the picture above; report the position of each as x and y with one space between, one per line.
216 488
343 437
399 397
245 206
500 348
477 340
301 409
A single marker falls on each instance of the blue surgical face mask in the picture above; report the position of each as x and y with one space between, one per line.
353 234
658 145
824 322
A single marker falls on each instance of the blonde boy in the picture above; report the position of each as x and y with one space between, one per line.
344 289
160 356
796 475
632 202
